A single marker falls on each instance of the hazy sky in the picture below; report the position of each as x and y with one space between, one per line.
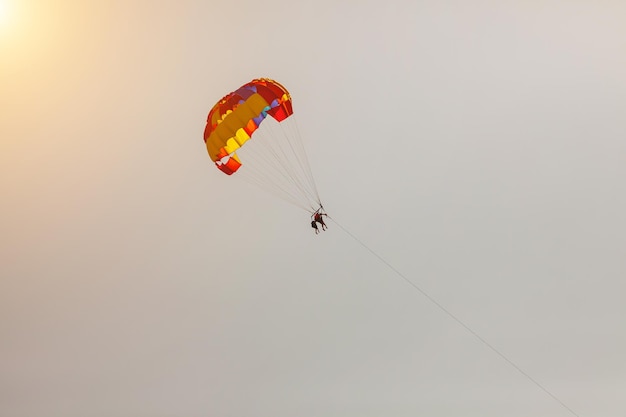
479 147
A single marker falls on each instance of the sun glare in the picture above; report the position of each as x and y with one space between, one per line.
7 17
4 12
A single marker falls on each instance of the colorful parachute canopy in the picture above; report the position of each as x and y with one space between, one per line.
233 119
271 148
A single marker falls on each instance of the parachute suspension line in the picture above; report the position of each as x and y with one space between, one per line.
455 318
272 163
264 171
301 156
253 176
288 161
309 171
287 164
279 194
293 163
296 177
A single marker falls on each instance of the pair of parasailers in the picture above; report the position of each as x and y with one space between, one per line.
317 217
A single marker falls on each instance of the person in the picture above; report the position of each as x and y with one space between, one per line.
314 226
317 217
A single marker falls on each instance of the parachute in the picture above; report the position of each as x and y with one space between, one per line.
265 151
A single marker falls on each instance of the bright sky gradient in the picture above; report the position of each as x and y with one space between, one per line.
479 147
